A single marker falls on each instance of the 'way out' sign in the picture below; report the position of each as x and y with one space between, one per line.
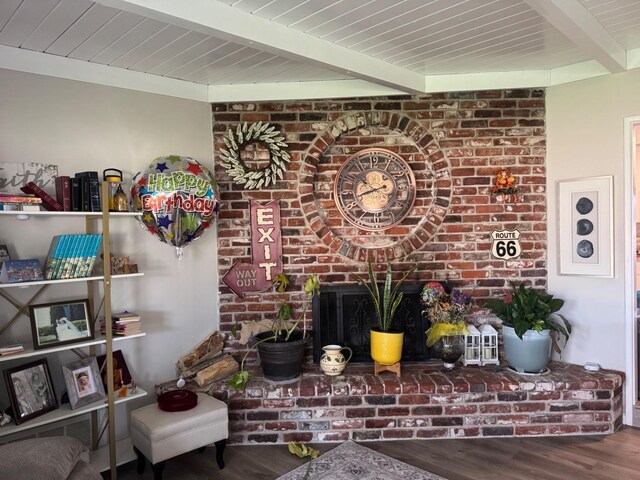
506 244
266 252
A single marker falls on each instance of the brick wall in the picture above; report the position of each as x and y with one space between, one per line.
425 403
454 143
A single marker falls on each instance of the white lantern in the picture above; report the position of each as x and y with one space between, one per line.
489 345
472 347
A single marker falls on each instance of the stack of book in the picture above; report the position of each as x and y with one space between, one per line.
72 256
80 193
11 348
123 324
26 203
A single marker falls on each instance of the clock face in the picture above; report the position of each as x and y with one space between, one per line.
375 189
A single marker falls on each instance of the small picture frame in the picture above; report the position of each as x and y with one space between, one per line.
30 390
4 254
83 382
121 374
585 227
61 323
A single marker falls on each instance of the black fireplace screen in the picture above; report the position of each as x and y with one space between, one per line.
343 315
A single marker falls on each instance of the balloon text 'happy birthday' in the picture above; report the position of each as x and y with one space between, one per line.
162 182
159 202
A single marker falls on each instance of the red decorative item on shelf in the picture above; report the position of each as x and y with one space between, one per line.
177 400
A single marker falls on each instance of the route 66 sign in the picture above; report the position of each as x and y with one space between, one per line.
506 244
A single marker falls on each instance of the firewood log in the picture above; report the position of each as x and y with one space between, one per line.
208 348
221 369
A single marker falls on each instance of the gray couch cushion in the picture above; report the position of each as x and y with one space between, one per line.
40 458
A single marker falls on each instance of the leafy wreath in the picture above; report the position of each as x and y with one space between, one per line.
244 135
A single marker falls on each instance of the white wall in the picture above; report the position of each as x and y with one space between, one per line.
80 126
586 138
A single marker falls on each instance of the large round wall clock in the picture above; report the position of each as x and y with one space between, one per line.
375 189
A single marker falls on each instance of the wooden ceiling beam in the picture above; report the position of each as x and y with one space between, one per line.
233 25
574 21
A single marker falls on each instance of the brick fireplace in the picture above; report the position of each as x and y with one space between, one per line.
454 143
425 402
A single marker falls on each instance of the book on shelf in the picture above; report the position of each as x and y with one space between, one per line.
63 192
47 200
8 198
72 256
123 330
11 348
76 195
125 317
54 256
19 207
123 324
14 271
90 191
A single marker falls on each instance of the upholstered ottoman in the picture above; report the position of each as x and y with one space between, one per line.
158 435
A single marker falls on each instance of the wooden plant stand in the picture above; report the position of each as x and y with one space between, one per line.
379 368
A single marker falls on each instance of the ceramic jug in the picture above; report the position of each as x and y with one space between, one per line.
332 361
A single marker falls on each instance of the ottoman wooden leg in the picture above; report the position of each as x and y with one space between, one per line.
157 470
141 461
220 452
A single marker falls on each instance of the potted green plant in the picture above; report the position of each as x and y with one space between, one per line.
531 326
386 343
280 343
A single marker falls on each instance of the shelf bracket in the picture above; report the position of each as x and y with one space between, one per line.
22 308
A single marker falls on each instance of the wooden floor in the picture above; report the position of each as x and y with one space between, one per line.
615 457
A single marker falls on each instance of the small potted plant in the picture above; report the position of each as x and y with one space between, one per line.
280 343
531 327
446 311
386 343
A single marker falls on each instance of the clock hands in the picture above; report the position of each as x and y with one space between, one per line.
383 187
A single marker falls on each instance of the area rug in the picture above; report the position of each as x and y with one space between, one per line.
351 461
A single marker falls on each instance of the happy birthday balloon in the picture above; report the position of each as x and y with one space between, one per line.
179 199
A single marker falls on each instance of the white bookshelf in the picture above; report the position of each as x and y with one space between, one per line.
63 412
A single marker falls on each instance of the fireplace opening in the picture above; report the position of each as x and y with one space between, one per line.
344 315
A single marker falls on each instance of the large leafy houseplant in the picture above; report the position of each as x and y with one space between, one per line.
387 303
280 330
525 308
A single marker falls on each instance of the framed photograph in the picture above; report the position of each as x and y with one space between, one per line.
121 375
4 254
61 323
83 382
585 227
30 390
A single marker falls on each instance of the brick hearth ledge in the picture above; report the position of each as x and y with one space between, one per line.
425 402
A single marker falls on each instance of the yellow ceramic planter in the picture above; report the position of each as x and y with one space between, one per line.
386 347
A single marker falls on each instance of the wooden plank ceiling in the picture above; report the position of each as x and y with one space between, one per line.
259 49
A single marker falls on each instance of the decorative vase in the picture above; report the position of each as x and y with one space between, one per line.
386 347
531 354
332 361
449 348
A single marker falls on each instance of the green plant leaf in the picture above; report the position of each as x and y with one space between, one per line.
312 285
281 281
239 380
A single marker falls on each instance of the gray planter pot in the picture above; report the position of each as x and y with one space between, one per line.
531 354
